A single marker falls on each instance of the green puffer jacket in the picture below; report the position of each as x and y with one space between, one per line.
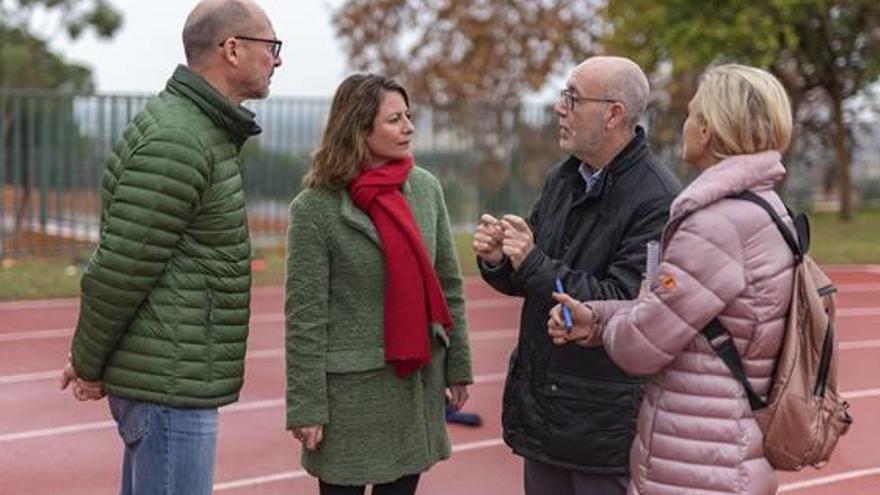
165 297
377 426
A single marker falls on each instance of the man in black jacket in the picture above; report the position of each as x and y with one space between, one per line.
569 411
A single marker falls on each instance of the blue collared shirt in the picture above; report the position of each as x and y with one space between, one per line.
590 177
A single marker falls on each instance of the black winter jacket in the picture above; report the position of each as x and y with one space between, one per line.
572 406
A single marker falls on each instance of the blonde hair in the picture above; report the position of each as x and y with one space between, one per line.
746 110
343 148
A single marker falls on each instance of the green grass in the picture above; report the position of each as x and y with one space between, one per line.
854 242
834 242
466 257
38 279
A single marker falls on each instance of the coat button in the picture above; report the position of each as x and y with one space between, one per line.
553 387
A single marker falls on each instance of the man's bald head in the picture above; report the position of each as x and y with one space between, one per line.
212 21
618 78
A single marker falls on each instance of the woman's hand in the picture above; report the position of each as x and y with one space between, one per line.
456 396
309 436
583 323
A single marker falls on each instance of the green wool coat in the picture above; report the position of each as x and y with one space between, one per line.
377 426
166 294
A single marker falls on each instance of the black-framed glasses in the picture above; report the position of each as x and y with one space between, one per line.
275 49
569 99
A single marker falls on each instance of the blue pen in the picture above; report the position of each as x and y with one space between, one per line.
566 313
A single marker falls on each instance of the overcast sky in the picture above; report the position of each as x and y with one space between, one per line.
146 49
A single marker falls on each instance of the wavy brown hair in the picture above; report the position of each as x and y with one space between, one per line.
343 146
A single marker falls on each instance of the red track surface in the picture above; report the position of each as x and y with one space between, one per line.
52 444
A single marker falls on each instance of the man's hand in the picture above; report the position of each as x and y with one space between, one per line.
487 240
83 390
309 436
518 239
583 323
456 396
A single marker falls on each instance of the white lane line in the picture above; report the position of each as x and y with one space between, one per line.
40 304
60 430
231 409
858 312
488 335
498 302
827 480
492 302
855 288
36 335
260 319
259 480
31 377
859 344
278 318
275 403
861 394
473 303
291 475
67 332
483 336
490 378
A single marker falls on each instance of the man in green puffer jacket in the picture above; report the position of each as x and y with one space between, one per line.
165 297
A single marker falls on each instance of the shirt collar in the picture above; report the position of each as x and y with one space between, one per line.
590 177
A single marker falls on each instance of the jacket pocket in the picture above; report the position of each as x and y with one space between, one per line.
510 411
590 422
209 332
355 360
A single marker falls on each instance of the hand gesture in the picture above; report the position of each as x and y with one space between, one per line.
487 240
518 239
309 436
583 323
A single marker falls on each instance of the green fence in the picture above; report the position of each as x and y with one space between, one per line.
53 146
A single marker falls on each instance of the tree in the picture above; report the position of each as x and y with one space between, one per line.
470 60
26 61
485 50
829 47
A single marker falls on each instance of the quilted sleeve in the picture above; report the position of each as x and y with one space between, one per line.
154 193
701 273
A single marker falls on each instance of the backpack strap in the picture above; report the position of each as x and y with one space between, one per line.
722 342
718 336
801 224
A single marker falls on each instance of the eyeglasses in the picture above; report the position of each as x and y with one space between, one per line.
569 99
275 49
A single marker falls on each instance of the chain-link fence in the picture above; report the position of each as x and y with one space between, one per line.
53 147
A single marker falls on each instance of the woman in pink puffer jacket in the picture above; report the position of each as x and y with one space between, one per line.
722 257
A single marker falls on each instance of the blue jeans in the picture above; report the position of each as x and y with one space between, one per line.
168 451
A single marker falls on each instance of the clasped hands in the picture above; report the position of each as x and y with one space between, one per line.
82 389
509 236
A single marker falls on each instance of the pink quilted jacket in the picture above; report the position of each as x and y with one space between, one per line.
725 257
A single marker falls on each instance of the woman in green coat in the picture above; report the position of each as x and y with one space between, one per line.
376 336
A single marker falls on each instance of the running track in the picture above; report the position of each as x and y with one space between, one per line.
50 444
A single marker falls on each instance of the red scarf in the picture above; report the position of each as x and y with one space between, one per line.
413 296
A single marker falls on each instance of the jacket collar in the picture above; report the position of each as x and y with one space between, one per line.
760 171
631 154
237 120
